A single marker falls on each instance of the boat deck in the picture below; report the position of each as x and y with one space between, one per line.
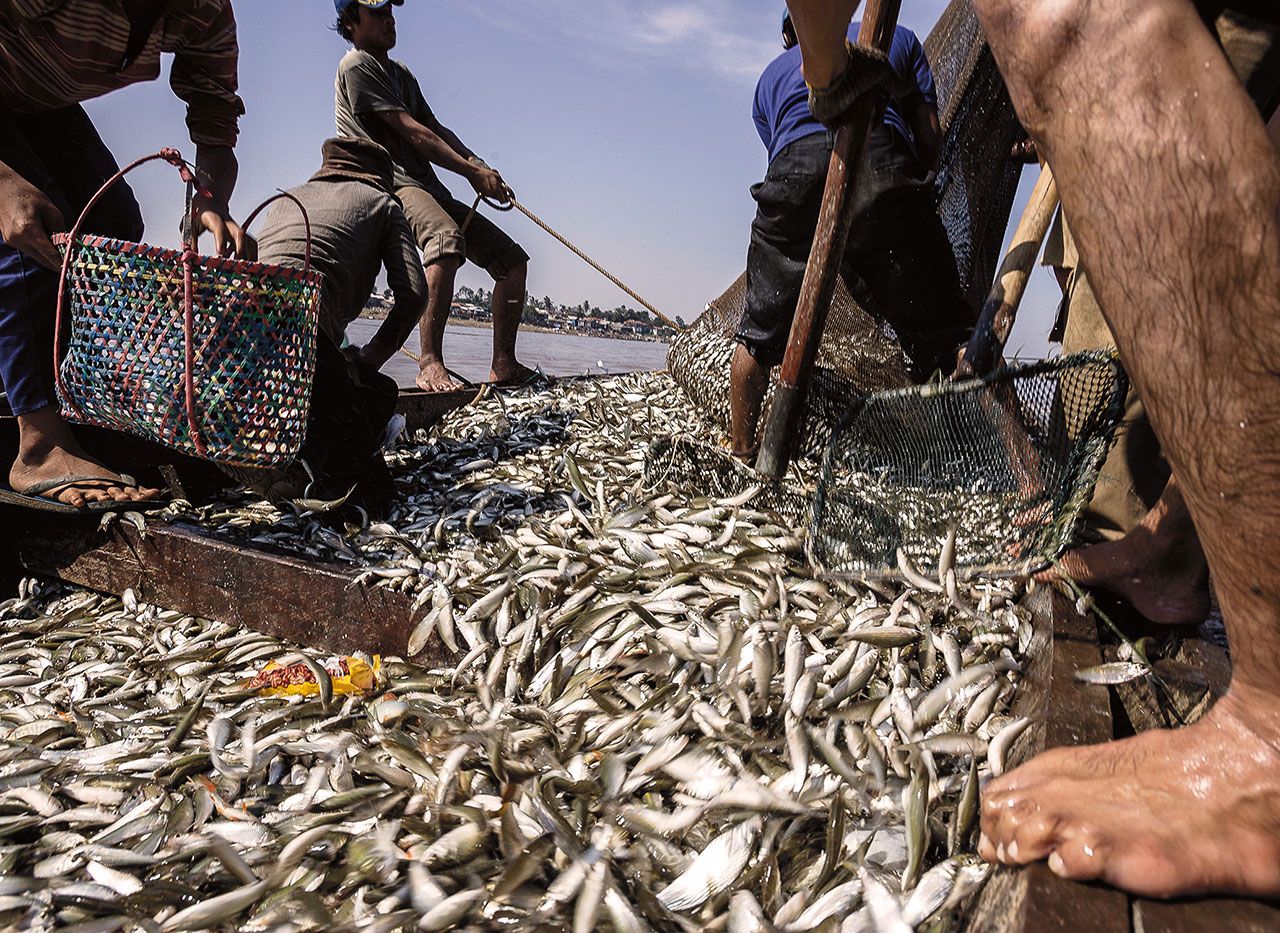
1070 713
325 606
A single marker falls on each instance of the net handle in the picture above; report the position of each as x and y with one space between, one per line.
983 353
835 217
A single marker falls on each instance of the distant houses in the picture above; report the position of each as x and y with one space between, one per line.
621 323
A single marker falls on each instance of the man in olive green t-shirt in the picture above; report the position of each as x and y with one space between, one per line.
379 99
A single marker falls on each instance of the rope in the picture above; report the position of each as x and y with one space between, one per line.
516 205
513 203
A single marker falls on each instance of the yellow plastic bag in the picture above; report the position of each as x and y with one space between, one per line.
350 676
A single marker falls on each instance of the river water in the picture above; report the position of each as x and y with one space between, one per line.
467 351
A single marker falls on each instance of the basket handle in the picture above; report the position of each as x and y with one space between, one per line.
306 223
187 173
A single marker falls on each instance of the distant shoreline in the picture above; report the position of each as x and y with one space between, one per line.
369 315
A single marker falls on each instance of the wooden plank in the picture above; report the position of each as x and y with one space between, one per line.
424 409
313 604
1195 916
1192 680
1033 899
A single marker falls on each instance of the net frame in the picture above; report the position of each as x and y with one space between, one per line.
905 465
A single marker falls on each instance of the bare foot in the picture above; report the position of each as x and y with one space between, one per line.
513 373
433 377
1164 814
34 467
1168 585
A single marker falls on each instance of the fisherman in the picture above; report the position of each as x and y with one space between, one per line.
1173 187
357 228
378 98
1140 540
898 262
53 56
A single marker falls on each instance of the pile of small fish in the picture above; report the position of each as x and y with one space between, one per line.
660 718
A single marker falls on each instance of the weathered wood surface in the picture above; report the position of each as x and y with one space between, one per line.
1033 899
313 604
1191 681
1198 916
424 409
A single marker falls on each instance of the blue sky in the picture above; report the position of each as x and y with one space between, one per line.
625 124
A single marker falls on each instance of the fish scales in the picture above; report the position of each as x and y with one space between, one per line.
662 709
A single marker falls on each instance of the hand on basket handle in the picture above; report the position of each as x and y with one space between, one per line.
28 219
217 169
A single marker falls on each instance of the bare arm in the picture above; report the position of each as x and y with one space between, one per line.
432 146
218 171
456 144
822 27
408 284
28 219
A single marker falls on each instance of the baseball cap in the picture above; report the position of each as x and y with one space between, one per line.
787 28
341 5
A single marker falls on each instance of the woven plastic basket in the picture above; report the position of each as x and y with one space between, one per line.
211 356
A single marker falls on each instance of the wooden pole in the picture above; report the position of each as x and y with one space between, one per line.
787 407
995 323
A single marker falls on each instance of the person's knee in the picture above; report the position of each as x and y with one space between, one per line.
443 269
517 276
1032 37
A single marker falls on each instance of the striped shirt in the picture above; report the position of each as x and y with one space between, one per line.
55 53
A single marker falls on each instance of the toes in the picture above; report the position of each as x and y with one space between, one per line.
1015 827
1078 859
987 849
1033 839
1071 566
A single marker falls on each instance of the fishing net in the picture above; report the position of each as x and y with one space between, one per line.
1007 463
976 185
855 359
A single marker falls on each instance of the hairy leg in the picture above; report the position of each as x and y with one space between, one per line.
1158 568
1173 188
509 293
432 376
748 381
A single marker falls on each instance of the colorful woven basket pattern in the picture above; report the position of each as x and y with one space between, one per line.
252 350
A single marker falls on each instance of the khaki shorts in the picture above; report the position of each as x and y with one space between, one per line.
437 226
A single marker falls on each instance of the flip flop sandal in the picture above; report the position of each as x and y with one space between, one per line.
36 496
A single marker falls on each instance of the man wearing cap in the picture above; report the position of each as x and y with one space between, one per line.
898 261
378 98
357 228
53 56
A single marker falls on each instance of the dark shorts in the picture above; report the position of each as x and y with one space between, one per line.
60 153
898 262
437 221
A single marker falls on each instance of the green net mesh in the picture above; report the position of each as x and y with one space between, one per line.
976 185
1007 462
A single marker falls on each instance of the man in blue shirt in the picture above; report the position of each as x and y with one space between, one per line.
898 262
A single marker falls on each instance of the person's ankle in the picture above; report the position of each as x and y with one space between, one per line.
1255 707
42 433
